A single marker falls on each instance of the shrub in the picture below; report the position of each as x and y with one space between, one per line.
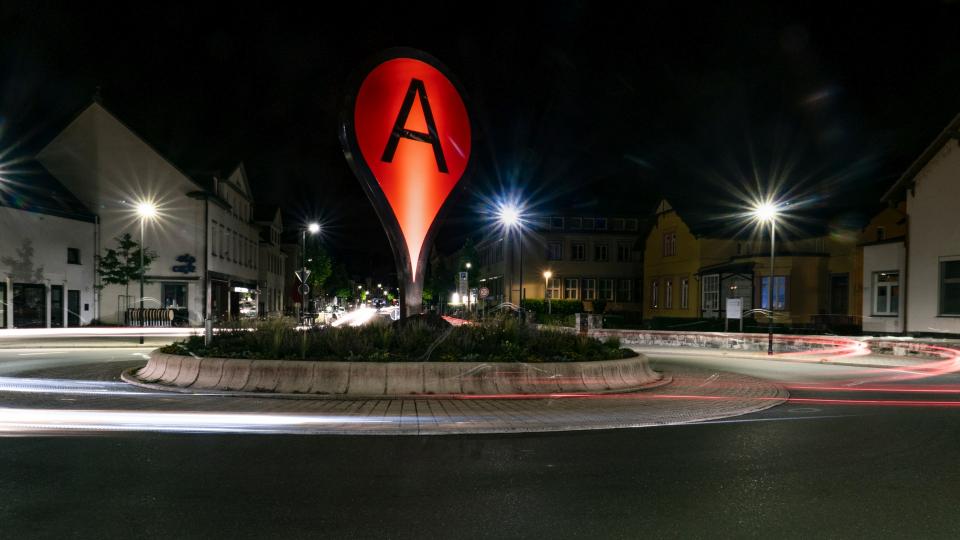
499 340
557 307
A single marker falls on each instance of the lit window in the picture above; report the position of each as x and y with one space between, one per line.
886 293
779 292
554 289
571 289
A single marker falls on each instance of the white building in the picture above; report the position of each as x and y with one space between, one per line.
46 257
273 261
884 271
931 188
204 236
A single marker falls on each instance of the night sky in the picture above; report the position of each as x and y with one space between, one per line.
582 106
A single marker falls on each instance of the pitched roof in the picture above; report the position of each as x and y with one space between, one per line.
29 186
906 180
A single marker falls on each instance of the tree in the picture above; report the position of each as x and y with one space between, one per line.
120 266
319 264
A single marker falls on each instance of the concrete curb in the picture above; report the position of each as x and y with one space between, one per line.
417 380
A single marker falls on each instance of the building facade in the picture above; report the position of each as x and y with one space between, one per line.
930 270
46 269
588 258
883 255
688 275
203 234
273 262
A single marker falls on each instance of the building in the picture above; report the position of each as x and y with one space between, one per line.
204 235
883 256
47 244
690 272
588 257
929 275
273 261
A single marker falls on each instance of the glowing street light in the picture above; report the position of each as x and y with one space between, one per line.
547 274
511 218
145 210
767 212
313 227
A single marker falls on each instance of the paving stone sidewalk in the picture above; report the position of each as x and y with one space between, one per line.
692 396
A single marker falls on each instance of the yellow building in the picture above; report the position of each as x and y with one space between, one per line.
690 274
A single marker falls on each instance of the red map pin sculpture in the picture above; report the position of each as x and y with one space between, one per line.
407 136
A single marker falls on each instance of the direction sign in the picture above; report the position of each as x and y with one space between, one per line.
302 275
484 292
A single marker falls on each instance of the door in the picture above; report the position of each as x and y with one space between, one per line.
29 305
73 308
56 306
839 294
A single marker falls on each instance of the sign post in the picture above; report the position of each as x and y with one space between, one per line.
734 311
407 136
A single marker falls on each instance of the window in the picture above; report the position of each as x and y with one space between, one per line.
631 224
571 290
881 233
779 292
669 244
625 292
556 223
213 240
588 223
601 252
221 245
668 294
174 295
554 251
617 224
578 251
73 256
950 287
575 223
655 294
684 293
553 290
711 292
589 289
886 293
623 252
601 224
605 289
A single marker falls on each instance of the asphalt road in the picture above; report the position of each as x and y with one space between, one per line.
799 470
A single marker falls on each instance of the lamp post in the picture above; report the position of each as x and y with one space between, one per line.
468 266
510 218
313 228
145 210
767 212
546 290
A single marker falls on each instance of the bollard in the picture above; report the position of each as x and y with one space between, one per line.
207 332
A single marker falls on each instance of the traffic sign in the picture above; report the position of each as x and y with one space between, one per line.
302 275
484 292
304 289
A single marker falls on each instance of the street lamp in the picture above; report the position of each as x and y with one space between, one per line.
313 228
763 212
546 289
510 218
145 210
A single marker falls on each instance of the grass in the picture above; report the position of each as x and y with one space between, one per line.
501 340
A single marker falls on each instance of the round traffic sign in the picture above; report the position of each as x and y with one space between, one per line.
484 292
304 289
